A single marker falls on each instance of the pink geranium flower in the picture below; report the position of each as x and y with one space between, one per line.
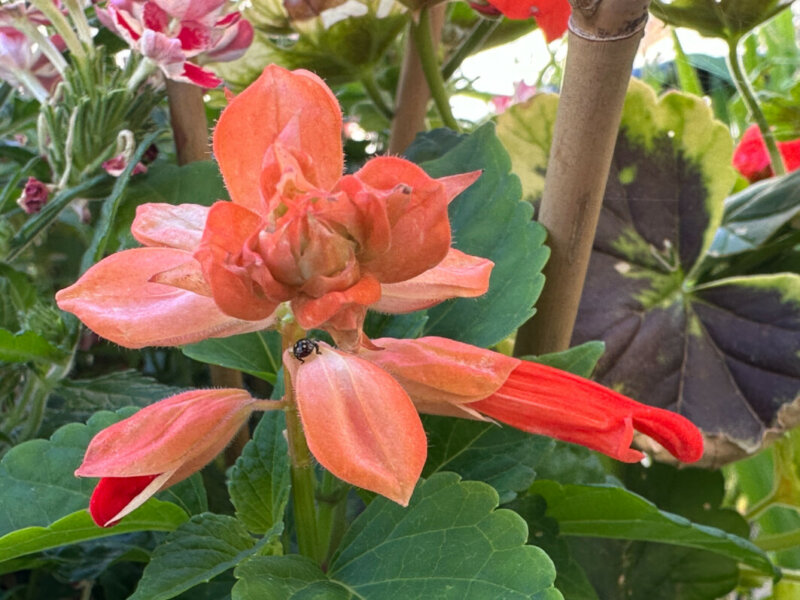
298 233
171 32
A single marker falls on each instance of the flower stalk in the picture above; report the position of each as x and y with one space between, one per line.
748 96
423 39
301 467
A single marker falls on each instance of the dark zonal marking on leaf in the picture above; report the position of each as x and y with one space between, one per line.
725 354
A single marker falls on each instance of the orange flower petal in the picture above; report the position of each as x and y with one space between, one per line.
255 118
116 299
168 435
168 225
417 208
459 275
540 399
440 370
159 446
359 423
231 267
315 312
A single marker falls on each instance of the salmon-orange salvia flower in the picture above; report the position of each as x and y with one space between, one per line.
327 247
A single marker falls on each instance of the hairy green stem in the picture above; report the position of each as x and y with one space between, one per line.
332 500
375 94
421 32
302 474
63 27
473 42
745 90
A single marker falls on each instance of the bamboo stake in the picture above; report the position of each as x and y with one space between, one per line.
603 39
412 90
187 115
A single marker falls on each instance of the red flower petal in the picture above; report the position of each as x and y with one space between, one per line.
552 16
113 494
543 400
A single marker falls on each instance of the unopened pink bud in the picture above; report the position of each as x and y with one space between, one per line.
34 196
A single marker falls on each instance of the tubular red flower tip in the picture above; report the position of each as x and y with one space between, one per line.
543 400
442 374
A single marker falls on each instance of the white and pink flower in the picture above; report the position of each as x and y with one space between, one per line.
171 32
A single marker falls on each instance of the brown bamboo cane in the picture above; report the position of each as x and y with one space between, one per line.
603 38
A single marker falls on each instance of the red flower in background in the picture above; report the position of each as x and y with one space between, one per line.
751 157
551 16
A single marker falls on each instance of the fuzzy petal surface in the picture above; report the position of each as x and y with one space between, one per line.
169 225
547 401
117 300
359 422
165 436
230 266
436 370
459 275
254 119
417 208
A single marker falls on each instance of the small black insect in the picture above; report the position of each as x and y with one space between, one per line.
305 347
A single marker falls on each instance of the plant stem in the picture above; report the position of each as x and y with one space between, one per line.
302 473
423 39
332 501
762 506
63 27
375 94
473 42
745 90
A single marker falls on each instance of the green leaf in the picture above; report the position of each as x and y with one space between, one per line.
720 352
257 353
37 476
77 399
728 19
450 542
17 287
196 552
613 512
28 345
337 53
624 570
260 480
526 131
489 220
286 578
580 360
154 515
753 215
503 457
